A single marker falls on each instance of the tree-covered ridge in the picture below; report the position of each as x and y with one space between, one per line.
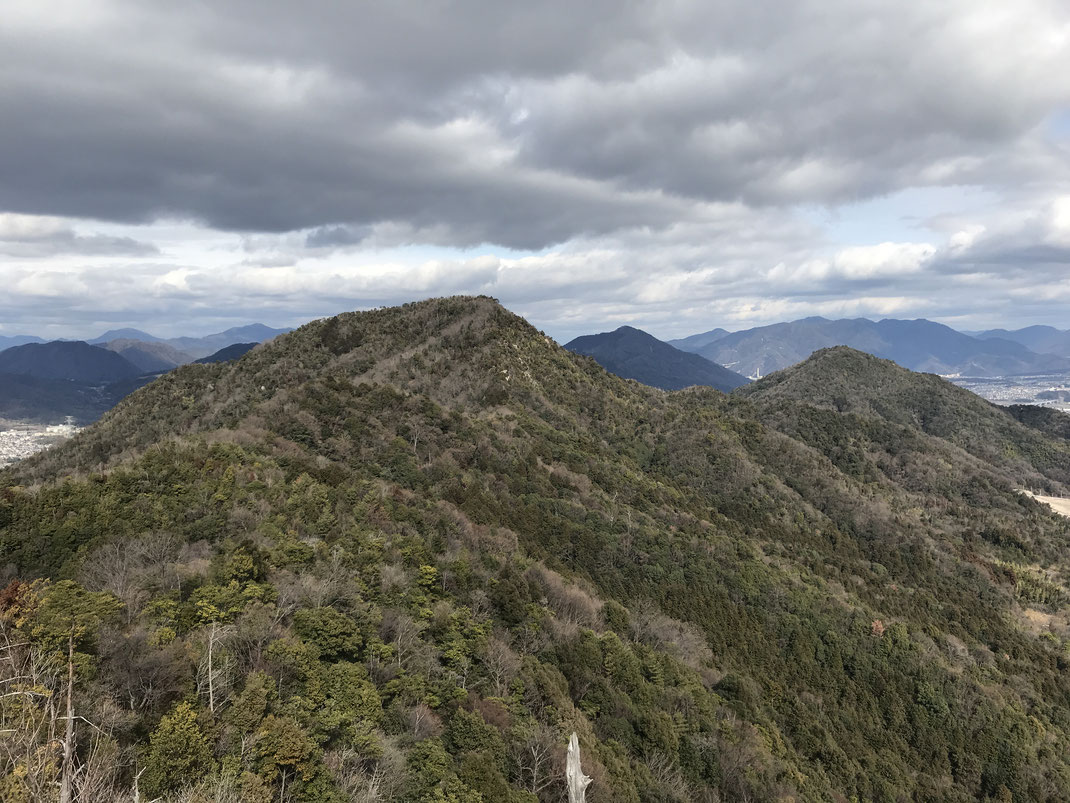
1028 442
403 554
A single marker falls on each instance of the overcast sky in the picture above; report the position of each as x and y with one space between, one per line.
678 166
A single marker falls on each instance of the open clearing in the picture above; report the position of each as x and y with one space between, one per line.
1059 504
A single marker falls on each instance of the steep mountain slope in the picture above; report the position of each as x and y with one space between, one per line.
414 548
1041 339
73 360
693 343
149 357
919 345
634 354
229 353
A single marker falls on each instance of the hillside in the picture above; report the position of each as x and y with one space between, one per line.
919 345
71 360
850 382
406 552
50 401
229 353
634 354
693 343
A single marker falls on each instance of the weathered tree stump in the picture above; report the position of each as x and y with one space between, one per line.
577 781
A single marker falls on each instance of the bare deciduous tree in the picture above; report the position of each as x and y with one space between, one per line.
216 667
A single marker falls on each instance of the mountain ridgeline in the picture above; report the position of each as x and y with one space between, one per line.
46 382
919 345
633 354
403 554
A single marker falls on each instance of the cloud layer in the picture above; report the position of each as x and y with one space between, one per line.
589 163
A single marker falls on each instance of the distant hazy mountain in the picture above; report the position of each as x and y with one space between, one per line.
919 345
10 341
198 347
43 382
634 354
72 360
125 334
1041 339
191 348
232 352
693 343
149 357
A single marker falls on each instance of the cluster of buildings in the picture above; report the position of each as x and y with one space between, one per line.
19 441
1045 391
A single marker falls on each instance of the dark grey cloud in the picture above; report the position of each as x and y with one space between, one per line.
25 237
521 125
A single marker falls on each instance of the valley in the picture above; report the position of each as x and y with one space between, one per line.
1043 390
21 439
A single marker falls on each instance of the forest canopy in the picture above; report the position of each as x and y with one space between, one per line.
403 554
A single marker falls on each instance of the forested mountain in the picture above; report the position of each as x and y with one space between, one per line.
229 353
634 354
919 345
67 359
402 554
50 401
1041 339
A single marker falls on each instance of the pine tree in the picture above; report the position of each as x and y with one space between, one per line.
178 752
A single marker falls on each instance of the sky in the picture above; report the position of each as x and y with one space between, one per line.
674 165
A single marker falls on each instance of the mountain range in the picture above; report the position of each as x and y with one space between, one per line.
1042 339
919 345
7 341
414 549
186 348
45 382
634 354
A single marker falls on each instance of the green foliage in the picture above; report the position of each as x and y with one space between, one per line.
431 545
335 635
178 753
66 612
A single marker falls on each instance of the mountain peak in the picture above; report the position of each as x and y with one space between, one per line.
634 354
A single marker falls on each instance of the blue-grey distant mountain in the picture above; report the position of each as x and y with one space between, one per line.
10 341
919 345
1041 339
149 357
693 343
125 334
634 354
231 352
198 347
72 360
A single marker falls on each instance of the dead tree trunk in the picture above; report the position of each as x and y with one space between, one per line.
577 781
66 778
